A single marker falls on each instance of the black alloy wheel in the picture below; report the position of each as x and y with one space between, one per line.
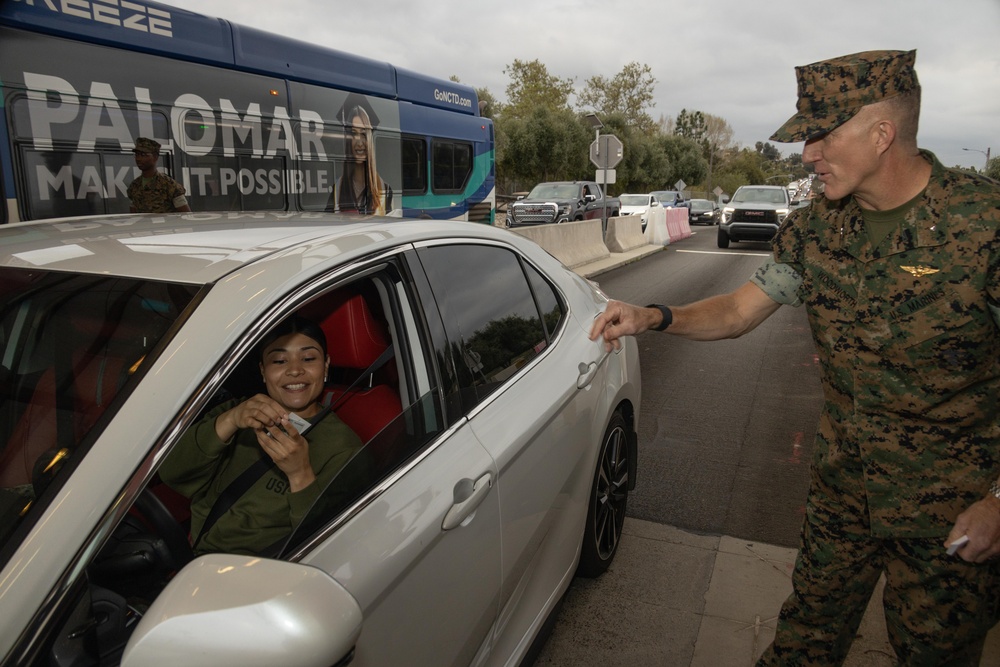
608 499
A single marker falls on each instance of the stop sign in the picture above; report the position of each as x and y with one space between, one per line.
606 151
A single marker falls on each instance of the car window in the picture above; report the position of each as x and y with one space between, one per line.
69 345
395 410
494 323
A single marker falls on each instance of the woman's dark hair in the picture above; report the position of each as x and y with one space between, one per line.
293 325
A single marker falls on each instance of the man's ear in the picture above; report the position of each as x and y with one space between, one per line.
884 132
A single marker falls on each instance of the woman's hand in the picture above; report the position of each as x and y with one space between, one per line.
256 412
289 451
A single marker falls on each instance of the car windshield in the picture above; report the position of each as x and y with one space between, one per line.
68 345
554 191
701 205
760 196
668 196
634 200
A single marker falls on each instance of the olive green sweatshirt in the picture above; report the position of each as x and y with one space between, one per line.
201 467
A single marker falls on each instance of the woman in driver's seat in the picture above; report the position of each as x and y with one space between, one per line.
260 507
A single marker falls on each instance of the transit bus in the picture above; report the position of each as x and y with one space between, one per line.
247 120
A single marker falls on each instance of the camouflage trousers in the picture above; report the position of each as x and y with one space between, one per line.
938 608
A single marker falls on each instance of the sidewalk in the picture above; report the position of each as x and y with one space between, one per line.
677 599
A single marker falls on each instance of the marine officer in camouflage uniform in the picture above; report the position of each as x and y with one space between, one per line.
898 266
153 191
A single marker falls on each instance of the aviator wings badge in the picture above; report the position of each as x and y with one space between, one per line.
920 271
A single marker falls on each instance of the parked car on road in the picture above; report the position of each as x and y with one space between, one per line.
499 441
638 205
753 214
704 211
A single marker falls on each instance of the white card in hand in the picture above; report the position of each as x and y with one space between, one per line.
957 544
301 425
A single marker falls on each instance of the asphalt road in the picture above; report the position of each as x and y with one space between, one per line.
726 427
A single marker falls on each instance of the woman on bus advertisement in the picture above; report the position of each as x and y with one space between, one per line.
360 188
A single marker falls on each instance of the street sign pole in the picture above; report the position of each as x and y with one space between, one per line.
605 153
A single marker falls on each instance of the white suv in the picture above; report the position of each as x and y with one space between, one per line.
754 214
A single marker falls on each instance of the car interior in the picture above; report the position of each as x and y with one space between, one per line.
83 357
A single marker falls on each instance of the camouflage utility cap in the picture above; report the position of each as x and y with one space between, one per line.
832 91
144 145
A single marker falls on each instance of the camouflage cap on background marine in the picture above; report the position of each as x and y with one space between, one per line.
147 146
832 91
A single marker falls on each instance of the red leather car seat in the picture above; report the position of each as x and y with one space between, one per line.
356 339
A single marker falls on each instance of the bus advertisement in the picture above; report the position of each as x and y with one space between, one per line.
246 120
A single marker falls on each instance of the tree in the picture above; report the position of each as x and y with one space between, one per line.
630 93
690 125
531 86
545 145
768 151
717 137
686 160
744 168
489 106
665 124
993 168
718 133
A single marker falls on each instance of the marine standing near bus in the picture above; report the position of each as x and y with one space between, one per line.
898 265
154 191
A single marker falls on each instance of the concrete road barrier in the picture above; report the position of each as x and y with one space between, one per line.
624 233
678 226
656 227
572 243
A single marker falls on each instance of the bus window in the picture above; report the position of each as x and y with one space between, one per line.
414 161
241 183
452 165
65 183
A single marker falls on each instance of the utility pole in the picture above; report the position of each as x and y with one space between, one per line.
986 153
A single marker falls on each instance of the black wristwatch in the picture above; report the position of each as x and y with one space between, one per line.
668 317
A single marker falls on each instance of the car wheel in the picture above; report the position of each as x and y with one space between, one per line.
723 238
608 498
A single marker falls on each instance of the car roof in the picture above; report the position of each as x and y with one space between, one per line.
201 248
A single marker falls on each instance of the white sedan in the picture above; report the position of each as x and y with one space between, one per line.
499 441
638 205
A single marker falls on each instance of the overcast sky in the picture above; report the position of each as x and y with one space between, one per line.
731 58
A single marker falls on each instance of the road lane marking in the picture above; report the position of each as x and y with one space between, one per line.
715 252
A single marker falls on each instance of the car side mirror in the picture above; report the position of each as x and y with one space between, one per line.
224 609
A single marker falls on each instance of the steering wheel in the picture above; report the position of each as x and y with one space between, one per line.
166 527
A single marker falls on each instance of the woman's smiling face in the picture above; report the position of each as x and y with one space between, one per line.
294 369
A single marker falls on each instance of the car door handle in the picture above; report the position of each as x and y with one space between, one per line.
468 495
587 373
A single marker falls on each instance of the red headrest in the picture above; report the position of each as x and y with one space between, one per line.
355 338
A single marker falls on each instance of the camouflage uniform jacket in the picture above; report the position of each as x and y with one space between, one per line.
909 345
157 196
